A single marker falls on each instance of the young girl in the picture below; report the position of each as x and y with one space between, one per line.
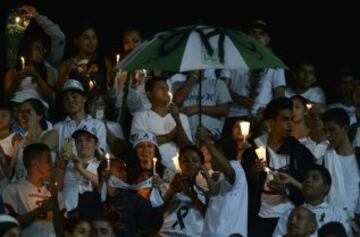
300 129
185 201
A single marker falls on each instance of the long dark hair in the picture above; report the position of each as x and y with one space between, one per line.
40 110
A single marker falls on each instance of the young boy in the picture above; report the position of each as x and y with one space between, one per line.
30 200
341 161
315 187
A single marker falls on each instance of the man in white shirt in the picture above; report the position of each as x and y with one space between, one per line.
30 201
252 90
228 207
268 197
171 128
74 99
303 83
215 101
341 161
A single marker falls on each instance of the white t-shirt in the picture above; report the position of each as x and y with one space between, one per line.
324 213
350 110
269 80
68 126
313 94
6 144
227 212
152 122
344 170
75 183
352 180
214 92
182 217
273 205
116 129
317 149
22 197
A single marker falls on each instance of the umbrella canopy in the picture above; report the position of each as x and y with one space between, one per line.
200 47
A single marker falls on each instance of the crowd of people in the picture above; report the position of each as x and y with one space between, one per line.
88 150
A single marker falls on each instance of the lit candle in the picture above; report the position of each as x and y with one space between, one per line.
17 20
117 58
154 165
22 59
309 106
107 157
171 96
91 84
245 129
261 153
175 160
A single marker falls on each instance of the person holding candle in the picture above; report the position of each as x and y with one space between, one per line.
35 205
81 170
35 74
127 210
185 201
269 198
87 64
165 121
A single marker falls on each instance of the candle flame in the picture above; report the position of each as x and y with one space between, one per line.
17 19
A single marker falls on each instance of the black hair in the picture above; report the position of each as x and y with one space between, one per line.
38 106
103 165
338 116
194 149
33 152
73 222
150 83
6 226
332 228
273 109
134 164
258 24
325 174
5 105
302 100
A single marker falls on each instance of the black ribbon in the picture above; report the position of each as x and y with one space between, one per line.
181 214
174 38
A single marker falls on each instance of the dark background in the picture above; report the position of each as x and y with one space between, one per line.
326 35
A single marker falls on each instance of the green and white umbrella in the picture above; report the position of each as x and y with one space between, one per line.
200 47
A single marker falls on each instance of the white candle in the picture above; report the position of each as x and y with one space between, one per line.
22 59
17 20
107 157
91 84
171 96
261 153
309 106
245 129
176 163
154 165
117 58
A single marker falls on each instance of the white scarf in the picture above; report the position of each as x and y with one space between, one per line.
115 182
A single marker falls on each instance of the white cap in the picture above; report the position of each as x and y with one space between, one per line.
6 218
145 137
24 95
73 84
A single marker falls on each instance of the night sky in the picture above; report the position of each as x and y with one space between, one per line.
327 35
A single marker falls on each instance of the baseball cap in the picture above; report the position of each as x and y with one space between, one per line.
86 130
259 24
145 137
24 95
73 85
8 219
